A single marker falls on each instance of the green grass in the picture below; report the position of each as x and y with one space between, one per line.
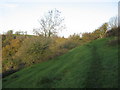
92 65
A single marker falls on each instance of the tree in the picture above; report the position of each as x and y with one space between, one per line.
103 30
96 34
87 36
21 32
50 24
18 32
113 22
10 32
75 37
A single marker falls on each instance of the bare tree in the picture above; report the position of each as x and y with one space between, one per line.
113 22
50 24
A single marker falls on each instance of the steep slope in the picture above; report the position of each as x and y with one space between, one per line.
92 65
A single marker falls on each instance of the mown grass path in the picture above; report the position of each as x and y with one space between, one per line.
94 73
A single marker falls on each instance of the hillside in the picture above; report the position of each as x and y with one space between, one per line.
92 65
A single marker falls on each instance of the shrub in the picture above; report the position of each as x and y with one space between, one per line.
113 32
33 50
69 44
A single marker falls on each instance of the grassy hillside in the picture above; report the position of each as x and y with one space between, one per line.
92 65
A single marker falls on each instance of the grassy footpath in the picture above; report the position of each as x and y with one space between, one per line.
92 65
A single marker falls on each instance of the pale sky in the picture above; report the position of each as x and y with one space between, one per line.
80 15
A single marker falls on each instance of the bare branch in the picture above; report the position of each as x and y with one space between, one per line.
51 23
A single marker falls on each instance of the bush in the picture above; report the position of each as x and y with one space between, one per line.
69 44
33 50
113 32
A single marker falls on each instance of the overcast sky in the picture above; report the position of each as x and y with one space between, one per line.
80 15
